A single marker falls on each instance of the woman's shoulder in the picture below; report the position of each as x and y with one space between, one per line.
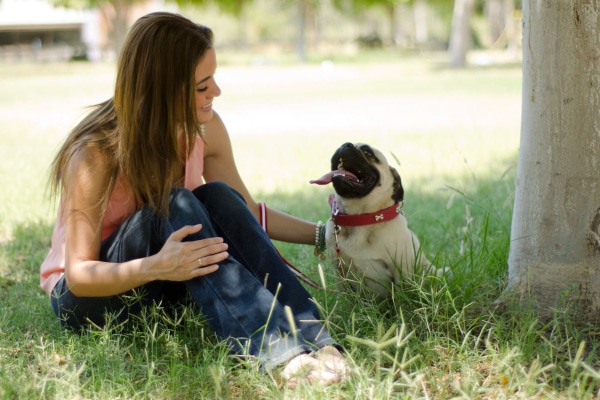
89 160
216 137
216 122
90 152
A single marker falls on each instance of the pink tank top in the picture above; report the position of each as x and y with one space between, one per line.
120 207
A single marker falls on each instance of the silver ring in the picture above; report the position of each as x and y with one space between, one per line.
200 262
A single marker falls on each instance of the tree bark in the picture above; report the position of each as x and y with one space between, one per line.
120 23
460 36
494 10
301 18
512 28
554 256
420 16
390 10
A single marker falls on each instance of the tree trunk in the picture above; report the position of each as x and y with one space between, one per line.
460 37
555 238
420 16
301 30
242 30
494 10
512 26
390 10
120 23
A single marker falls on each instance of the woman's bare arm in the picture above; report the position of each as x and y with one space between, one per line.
219 165
86 275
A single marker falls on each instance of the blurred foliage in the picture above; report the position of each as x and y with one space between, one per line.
233 7
310 27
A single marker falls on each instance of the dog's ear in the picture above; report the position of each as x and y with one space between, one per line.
398 190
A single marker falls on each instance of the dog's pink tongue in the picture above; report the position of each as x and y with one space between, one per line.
325 179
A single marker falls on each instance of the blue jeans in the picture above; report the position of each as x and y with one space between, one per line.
243 301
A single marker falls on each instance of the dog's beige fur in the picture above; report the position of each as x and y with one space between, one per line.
374 256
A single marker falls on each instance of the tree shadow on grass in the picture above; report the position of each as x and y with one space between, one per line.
471 235
466 230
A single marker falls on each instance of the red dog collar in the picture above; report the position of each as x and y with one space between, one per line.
376 217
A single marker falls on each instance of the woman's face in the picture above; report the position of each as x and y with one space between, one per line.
206 86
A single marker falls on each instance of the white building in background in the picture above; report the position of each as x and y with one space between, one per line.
35 30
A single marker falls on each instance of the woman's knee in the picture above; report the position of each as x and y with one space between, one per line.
208 203
180 194
184 202
218 192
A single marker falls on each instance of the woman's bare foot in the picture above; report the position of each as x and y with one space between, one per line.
325 366
333 360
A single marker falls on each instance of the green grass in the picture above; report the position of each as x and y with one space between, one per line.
453 135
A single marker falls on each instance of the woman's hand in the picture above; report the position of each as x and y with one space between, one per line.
182 261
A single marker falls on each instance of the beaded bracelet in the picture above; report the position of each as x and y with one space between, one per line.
318 232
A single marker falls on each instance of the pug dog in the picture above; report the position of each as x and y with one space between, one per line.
367 236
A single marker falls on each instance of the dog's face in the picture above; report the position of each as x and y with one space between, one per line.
359 171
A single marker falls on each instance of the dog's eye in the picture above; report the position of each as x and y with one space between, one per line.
369 153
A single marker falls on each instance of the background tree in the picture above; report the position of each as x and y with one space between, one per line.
555 238
305 14
116 15
303 10
503 19
235 8
496 17
389 6
392 9
460 35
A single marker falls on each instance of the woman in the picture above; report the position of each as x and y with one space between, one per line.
136 217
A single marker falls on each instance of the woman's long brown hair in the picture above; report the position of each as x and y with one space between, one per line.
137 129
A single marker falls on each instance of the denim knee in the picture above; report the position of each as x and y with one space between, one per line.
181 198
219 192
